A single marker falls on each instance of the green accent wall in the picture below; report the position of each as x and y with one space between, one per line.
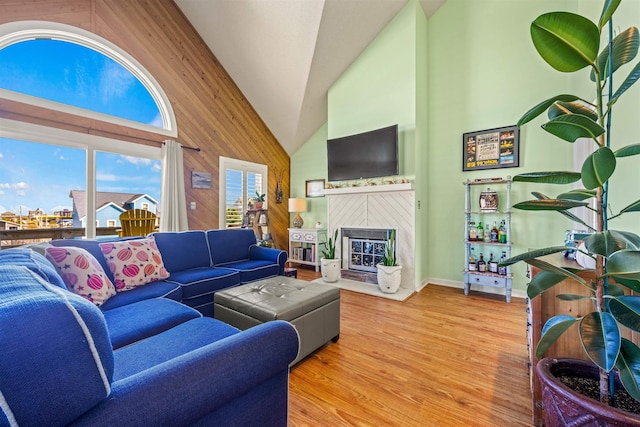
471 66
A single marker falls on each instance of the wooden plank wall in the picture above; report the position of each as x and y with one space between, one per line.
211 112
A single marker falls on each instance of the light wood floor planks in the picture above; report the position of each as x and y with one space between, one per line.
437 359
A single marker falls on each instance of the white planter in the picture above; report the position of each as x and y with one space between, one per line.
330 269
389 278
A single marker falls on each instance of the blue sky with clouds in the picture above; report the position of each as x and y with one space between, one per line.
41 176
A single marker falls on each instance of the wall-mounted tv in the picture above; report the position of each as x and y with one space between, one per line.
365 155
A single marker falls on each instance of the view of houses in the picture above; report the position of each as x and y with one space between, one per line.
109 206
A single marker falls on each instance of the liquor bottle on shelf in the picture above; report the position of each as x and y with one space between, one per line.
494 233
480 232
473 232
502 232
472 265
482 265
501 269
493 264
487 233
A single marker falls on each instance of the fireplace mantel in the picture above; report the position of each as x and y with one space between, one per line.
369 189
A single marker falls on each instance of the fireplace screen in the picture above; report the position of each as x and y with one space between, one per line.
364 254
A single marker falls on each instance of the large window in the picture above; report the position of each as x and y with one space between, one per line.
239 183
67 69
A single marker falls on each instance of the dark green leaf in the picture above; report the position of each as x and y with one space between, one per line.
600 338
556 177
551 268
549 205
566 41
567 214
609 8
633 77
542 282
633 207
614 290
572 297
624 263
580 194
573 126
629 150
560 108
542 107
632 284
608 242
533 254
625 48
554 327
628 365
626 310
598 168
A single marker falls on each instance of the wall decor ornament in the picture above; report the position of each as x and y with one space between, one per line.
491 149
200 180
314 188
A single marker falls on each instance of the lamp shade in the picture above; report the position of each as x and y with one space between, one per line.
297 205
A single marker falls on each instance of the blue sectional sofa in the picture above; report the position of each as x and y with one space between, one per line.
143 357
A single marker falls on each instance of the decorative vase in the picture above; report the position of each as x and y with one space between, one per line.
564 406
279 192
258 205
389 278
330 269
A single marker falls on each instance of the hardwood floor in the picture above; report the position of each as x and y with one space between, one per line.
437 359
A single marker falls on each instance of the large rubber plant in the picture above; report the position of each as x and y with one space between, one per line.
570 43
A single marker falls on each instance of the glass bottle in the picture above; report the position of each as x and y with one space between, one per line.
473 232
487 233
472 265
480 232
501 269
482 265
494 233
493 264
502 232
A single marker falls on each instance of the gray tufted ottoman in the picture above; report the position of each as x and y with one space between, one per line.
313 308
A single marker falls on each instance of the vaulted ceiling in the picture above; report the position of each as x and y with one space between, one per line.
284 55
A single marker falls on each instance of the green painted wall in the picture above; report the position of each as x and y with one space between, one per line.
471 66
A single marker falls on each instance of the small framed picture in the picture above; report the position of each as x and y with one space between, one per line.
491 149
200 180
315 188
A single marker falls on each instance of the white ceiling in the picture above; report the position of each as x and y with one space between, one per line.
284 55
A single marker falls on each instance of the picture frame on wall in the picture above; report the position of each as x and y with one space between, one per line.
314 188
200 180
491 149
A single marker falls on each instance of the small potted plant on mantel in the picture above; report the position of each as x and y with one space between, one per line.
329 265
389 272
570 42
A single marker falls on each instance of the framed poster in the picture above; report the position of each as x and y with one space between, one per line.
315 188
491 149
200 180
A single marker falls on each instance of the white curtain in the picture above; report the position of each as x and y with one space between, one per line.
173 206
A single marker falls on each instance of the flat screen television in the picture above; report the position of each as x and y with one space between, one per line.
365 155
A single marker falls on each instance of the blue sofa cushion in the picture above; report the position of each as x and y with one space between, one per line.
55 349
199 281
143 319
183 250
230 245
251 270
175 342
34 262
161 288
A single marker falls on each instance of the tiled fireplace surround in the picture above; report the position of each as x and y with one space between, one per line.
374 208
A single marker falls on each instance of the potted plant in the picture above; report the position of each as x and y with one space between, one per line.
389 272
329 265
570 42
259 200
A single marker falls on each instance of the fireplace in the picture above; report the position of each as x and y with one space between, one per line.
363 248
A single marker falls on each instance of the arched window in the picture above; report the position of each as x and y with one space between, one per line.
50 176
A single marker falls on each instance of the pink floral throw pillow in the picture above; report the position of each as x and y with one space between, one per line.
134 262
82 273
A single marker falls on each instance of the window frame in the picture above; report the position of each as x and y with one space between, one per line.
18 31
244 166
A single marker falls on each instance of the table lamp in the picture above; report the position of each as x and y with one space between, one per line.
297 206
